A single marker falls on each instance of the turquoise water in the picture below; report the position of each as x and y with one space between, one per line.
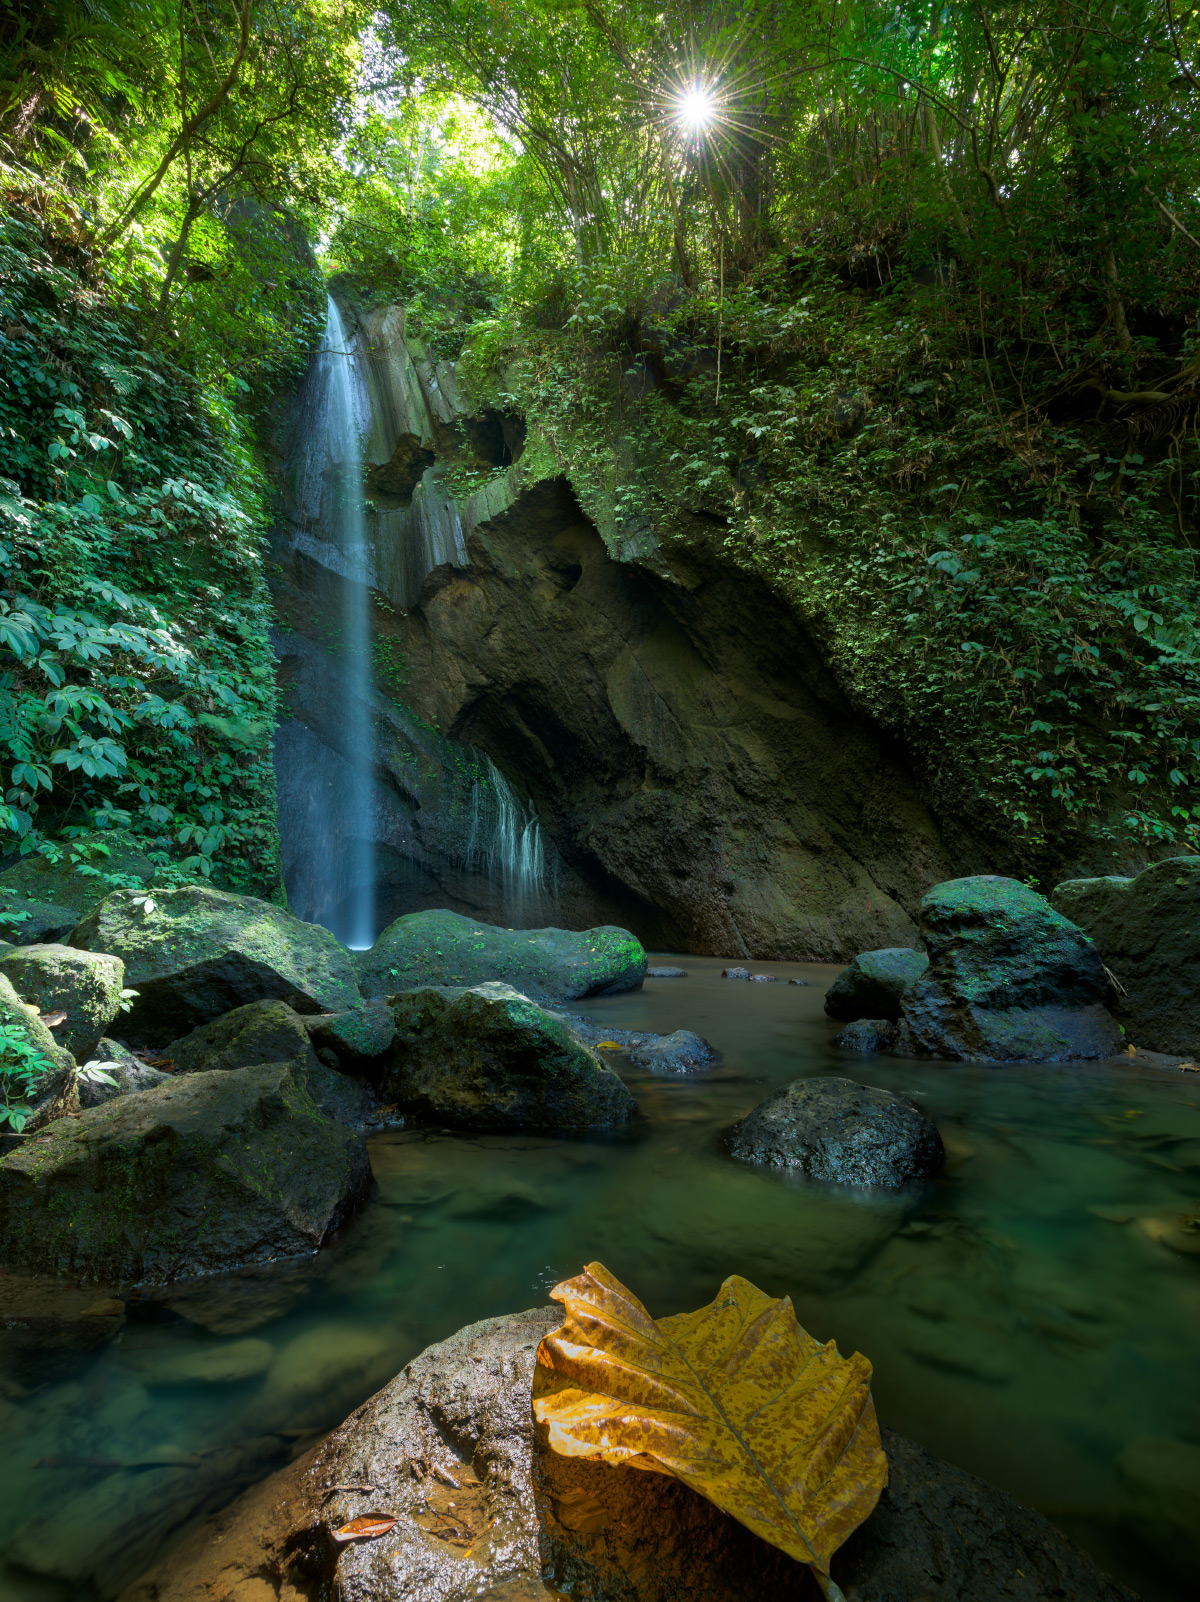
1032 1315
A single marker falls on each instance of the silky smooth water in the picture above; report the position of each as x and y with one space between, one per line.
507 843
327 811
1026 1314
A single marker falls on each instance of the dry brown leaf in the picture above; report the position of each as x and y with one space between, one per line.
53 1019
368 1528
735 1400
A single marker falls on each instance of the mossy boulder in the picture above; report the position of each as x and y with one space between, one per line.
836 1130
27 923
53 1092
443 948
271 1031
1009 980
86 871
1147 931
86 985
126 1075
198 953
873 985
490 1058
204 1174
359 1039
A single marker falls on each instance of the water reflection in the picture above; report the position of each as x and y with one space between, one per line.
1031 1316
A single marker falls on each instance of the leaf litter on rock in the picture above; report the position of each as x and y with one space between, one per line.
368 1527
735 1400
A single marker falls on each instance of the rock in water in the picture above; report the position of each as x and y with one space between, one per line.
200 1175
874 984
866 1035
86 985
535 1524
199 953
489 1058
666 973
270 1031
442 948
836 1130
679 1053
1009 980
1147 931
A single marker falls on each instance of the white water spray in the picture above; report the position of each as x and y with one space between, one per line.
332 861
506 841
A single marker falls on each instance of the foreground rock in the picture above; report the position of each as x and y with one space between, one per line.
837 1130
1147 931
86 985
199 1175
199 953
874 984
271 1031
489 1058
442 948
518 1522
1009 980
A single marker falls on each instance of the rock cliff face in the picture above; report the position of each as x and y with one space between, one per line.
697 773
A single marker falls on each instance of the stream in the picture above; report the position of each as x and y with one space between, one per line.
1031 1316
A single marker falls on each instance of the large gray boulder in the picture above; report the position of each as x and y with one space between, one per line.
271 1031
836 1130
1009 980
203 1174
1147 931
873 985
449 1450
489 1058
86 985
442 948
195 953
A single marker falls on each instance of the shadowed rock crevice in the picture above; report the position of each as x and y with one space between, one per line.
686 747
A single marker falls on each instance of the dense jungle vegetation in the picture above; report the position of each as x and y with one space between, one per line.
897 305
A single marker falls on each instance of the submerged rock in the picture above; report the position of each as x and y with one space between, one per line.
666 973
86 985
1147 932
41 1315
270 1031
198 953
199 1175
866 1035
679 1053
1009 980
449 1450
874 984
442 948
489 1058
837 1130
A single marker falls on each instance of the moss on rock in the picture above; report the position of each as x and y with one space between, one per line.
195 953
444 948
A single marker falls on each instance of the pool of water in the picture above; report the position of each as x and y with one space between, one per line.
1031 1316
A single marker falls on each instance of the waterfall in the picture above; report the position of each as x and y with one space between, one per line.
327 804
506 842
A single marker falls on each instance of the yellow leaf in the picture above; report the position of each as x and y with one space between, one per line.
736 1400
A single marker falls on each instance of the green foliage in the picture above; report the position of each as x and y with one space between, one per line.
22 1067
137 688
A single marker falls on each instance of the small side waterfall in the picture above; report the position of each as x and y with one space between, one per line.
506 842
329 850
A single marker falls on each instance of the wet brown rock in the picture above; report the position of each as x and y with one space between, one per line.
448 1450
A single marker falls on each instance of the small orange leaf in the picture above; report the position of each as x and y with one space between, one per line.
735 1400
53 1019
368 1528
